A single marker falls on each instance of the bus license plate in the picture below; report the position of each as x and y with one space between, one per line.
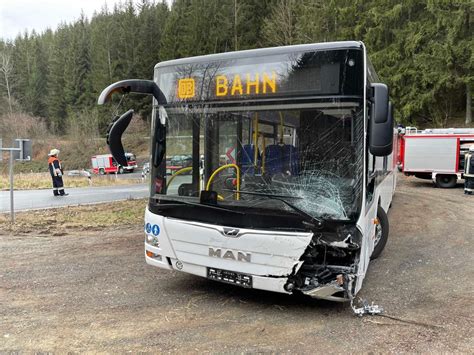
229 277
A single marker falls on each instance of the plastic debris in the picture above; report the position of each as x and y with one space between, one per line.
366 308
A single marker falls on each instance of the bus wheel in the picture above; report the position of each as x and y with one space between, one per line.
381 233
101 171
120 170
446 181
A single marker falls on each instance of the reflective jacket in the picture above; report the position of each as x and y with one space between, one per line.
469 165
54 166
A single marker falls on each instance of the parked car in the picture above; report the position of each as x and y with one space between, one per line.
82 172
178 162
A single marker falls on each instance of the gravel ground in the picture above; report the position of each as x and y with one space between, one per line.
91 291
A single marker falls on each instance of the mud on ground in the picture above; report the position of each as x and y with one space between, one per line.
92 291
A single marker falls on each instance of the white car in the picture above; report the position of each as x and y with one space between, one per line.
83 172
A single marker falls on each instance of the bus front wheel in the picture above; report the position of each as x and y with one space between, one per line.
381 233
101 171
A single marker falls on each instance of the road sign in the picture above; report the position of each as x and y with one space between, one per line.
25 149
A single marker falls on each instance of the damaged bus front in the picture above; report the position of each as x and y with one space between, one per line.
291 169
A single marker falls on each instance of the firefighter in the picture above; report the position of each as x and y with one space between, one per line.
469 171
56 172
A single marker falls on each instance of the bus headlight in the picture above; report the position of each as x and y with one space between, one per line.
152 240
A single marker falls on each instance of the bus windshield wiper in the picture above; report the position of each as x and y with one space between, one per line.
318 222
195 204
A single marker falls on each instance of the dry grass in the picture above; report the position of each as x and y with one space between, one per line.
59 221
43 181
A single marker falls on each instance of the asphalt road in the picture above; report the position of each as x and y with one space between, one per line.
36 199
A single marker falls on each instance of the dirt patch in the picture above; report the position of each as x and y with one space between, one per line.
92 291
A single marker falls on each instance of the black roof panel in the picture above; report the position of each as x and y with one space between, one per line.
263 52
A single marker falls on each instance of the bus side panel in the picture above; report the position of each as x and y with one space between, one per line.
430 154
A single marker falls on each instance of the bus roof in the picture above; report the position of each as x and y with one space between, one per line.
263 52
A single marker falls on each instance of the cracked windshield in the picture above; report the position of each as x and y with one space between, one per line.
278 132
309 157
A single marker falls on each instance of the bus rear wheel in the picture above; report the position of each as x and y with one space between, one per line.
120 170
381 233
446 181
101 171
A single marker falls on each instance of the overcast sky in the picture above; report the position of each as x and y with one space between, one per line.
18 15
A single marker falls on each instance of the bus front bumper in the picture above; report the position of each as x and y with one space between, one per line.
331 291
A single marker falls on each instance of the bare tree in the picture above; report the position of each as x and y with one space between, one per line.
280 28
6 68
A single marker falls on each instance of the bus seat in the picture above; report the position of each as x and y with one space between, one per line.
281 158
273 159
290 159
248 154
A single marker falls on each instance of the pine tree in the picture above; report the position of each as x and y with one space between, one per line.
56 100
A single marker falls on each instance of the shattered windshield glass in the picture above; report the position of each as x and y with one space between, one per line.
281 123
310 152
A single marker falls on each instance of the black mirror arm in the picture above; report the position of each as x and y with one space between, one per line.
114 137
146 87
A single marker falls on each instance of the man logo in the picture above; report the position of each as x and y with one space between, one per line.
230 255
231 232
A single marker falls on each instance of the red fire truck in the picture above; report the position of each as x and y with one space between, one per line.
436 154
106 164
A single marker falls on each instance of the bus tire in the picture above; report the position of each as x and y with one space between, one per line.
120 170
446 181
101 171
382 229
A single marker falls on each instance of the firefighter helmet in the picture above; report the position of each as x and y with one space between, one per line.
53 152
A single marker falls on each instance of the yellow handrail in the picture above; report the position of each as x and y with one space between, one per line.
179 172
223 167
281 127
255 141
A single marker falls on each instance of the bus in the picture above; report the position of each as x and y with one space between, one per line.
292 167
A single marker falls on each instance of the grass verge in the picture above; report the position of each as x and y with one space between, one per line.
60 221
32 181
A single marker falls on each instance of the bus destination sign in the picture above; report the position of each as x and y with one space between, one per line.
236 85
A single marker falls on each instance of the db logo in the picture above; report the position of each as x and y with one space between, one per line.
186 88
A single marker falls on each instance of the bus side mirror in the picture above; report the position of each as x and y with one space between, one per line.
381 122
114 137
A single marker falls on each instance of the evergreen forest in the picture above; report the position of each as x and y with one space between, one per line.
423 49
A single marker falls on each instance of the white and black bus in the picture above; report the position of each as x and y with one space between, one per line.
290 173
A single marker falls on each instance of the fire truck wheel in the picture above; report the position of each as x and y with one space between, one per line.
101 171
381 233
120 170
446 181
